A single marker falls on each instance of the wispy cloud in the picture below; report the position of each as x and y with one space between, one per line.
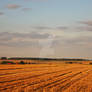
42 27
1 13
26 9
62 28
86 25
13 6
85 28
89 23
31 35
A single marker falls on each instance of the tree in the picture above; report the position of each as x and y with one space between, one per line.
4 58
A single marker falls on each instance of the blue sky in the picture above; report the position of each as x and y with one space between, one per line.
67 22
46 12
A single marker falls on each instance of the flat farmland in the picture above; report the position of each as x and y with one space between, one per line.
46 78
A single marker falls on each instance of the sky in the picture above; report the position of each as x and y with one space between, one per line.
46 28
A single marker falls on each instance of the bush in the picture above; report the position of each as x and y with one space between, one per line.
7 62
90 63
69 62
22 62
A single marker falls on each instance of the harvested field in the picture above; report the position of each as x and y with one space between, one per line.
46 78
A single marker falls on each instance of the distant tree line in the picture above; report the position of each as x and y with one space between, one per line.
50 59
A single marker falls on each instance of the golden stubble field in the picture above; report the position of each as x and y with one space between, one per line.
46 78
